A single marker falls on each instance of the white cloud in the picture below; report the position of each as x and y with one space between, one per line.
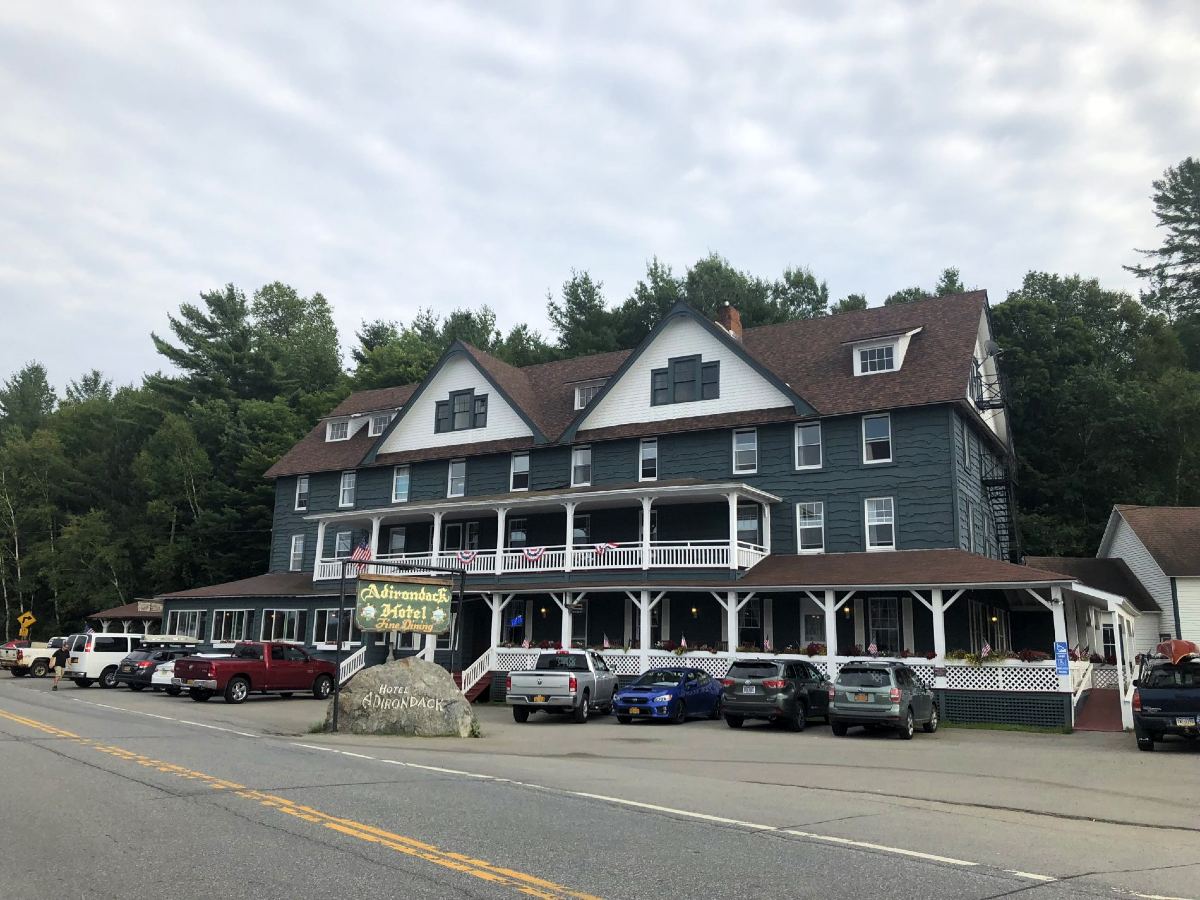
395 157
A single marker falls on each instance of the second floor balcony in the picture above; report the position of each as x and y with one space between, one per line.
664 526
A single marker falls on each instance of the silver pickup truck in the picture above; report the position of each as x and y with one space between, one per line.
563 681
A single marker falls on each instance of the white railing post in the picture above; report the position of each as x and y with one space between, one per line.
320 549
352 664
501 538
733 499
435 540
766 526
646 502
375 521
568 559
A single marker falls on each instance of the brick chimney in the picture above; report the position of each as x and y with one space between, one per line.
731 320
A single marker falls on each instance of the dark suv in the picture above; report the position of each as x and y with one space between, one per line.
1166 700
137 669
787 692
881 695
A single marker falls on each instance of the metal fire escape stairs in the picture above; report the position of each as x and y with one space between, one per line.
998 478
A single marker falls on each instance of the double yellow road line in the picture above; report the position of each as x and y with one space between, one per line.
521 882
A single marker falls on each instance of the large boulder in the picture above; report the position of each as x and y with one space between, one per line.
404 696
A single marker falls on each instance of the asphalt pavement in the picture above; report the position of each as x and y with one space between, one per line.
116 794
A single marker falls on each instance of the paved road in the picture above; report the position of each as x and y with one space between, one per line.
114 794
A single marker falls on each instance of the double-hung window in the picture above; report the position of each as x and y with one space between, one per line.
342 542
462 411
881 523
877 439
586 391
518 532
283 625
685 378
519 472
749 530
581 466
401 478
877 359
456 478
648 459
808 446
338 430
301 492
296 554
378 424
397 539
230 626
184 621
810 527
325 630
346 490
745 451
581 533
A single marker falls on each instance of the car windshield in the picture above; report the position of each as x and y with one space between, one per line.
140 654
865 678
563 662
1184 675
752 669
660 677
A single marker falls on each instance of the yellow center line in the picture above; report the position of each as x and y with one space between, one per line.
522 882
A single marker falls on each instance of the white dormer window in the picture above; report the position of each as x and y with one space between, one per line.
338 430
882 353
586 391
379 424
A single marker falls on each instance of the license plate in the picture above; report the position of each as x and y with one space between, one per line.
748 689
539 698
126 668
861 698
190 681
1185 722
634 711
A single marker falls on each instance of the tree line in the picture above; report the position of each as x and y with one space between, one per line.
110 494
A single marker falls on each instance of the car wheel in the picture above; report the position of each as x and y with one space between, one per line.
679 716
137 687
734 721
906 729
18 673
237 690
322 687
717 710
838 728
624 720
108 678
38 669
200 695
174 691
800 720
932 725
82 682
581 711
520 714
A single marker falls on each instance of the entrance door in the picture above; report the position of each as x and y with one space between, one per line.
884 623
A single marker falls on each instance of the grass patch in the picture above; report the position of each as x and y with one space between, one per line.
1008 726
316 728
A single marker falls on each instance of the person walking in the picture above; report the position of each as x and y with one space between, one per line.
60 663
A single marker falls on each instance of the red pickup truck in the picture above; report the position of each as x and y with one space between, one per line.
254 667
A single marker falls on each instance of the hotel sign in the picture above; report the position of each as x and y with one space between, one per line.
402 603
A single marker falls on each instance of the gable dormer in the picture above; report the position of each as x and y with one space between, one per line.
458 403
342 428
881 353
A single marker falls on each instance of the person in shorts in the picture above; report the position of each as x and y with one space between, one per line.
60 663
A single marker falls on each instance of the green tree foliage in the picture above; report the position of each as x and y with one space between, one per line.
26 399
298 337
948 282
849 303
581 319
1172 270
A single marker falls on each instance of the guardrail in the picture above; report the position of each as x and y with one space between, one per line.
352 664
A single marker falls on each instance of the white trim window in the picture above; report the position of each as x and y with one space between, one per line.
745 451
808 445
874 358
810 527
877 439
337 430
184 621
325 629
581 466
295 554
401 478
456 478
378 424
749 524
230 626
648 459
343 541
518 471
290 625
398 539
346 489
518 533
586 391
301 492
880 517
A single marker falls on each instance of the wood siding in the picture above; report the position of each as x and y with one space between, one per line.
1126 545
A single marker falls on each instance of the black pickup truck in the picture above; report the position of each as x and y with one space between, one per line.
1166 696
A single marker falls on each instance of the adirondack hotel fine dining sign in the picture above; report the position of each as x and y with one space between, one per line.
402 603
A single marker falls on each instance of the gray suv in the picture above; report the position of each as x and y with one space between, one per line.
881 695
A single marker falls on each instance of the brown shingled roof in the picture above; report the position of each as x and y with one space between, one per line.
1111 575
1170 533
376 400
275 584
315 454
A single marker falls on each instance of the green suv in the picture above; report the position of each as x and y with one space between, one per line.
881 695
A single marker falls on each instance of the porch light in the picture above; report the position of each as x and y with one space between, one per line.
695 613
846 610
543 612
995 619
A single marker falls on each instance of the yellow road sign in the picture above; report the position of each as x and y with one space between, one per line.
23 633
26 619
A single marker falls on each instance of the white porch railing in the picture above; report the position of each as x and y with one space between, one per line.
475 672
1009 675
589 557
352 664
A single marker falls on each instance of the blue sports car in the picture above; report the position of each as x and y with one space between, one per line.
670 694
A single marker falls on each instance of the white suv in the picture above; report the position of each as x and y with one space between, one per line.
95 657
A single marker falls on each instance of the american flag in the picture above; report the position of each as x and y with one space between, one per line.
683 641
873 649
987 650
90 630
361 553
525 644
606 644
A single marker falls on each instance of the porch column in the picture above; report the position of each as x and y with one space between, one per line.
731 619
646 503
497 602
435 540
320 548
565 628
938 611
570 541
830 629
766 526
644 621
860 624
733 503
375 520
1060 631
430 647
768 623
501 537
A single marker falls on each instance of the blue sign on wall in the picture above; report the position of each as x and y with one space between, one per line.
516 621
1062 660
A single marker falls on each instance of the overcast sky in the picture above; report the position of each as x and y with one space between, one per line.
398 156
